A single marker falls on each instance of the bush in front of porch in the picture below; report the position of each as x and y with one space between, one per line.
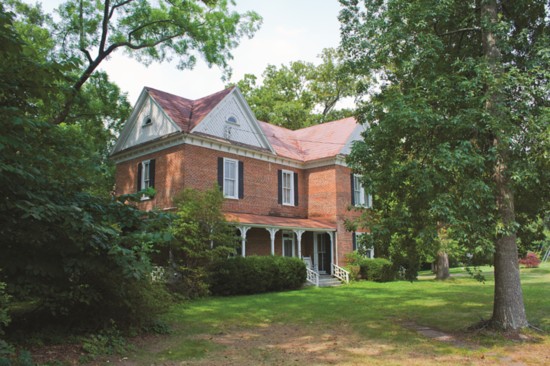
371 269
256 274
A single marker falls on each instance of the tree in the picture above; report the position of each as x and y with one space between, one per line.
201 237
90 31
290 96
458 125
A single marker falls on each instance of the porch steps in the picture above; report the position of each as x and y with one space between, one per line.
328 281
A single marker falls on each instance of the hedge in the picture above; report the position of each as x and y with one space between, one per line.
256 274
372 269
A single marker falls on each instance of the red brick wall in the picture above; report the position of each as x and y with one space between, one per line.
323 192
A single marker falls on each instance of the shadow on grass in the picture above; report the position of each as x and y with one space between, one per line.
363 319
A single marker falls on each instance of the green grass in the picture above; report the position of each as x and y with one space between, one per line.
368 311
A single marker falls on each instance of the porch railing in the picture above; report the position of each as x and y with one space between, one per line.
312 276
340 273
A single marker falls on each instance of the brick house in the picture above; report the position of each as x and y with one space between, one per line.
287 192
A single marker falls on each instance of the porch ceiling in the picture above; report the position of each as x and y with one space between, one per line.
280 222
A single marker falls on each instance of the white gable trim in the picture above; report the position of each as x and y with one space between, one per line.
132 121
211 125
354 136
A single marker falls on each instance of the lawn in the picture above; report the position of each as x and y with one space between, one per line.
361 323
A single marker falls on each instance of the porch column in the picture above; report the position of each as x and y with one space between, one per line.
333 254
299 238
272 232
243 230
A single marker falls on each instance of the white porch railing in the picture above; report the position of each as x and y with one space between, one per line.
312 276
340 273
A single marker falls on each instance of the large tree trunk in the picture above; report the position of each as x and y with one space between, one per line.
442 266
508 308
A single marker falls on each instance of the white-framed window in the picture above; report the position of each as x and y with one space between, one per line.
288 187
289 248
232 119
230 178
146 174
360 197
359 245
147 121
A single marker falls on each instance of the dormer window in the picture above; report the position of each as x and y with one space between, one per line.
232 120
147 121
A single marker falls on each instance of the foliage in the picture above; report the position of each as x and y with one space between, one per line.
109 341
256 274
4 301
88 32
371 269
300 94
531 260
458 124
201 236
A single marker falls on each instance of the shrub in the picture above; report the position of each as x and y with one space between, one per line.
375 269
379 270
256 274
531 260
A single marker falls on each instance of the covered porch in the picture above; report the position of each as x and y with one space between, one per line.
312 240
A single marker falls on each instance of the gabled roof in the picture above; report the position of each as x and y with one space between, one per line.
184 112
311 143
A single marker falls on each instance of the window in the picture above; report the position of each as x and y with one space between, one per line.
230 181
358 195
287 188
289 249
230 177
146 175
232 120
360 246
147 121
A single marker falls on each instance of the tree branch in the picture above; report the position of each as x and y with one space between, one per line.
145 26
118 6
462 30
88 56
104 27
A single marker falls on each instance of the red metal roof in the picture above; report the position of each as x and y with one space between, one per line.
184 112
281 222
312 143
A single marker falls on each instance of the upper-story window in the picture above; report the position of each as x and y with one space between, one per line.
232 119
231 177
358 195
146 175
147 121
287 188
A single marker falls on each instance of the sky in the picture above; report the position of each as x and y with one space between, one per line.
292 30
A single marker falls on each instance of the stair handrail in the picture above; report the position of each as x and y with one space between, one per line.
312 276
340 273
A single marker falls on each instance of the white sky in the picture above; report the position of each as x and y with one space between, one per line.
292 30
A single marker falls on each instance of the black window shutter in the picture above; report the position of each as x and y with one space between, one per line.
354 241
280 186
220 173
241 179
295 189
352 191
152 173
139 173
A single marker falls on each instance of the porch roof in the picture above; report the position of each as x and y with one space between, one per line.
280 222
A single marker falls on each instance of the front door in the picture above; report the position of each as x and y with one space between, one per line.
288 244
323 253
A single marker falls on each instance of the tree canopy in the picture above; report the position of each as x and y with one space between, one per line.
300 94
458 119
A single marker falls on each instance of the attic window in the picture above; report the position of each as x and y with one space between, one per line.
147 121
232 120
